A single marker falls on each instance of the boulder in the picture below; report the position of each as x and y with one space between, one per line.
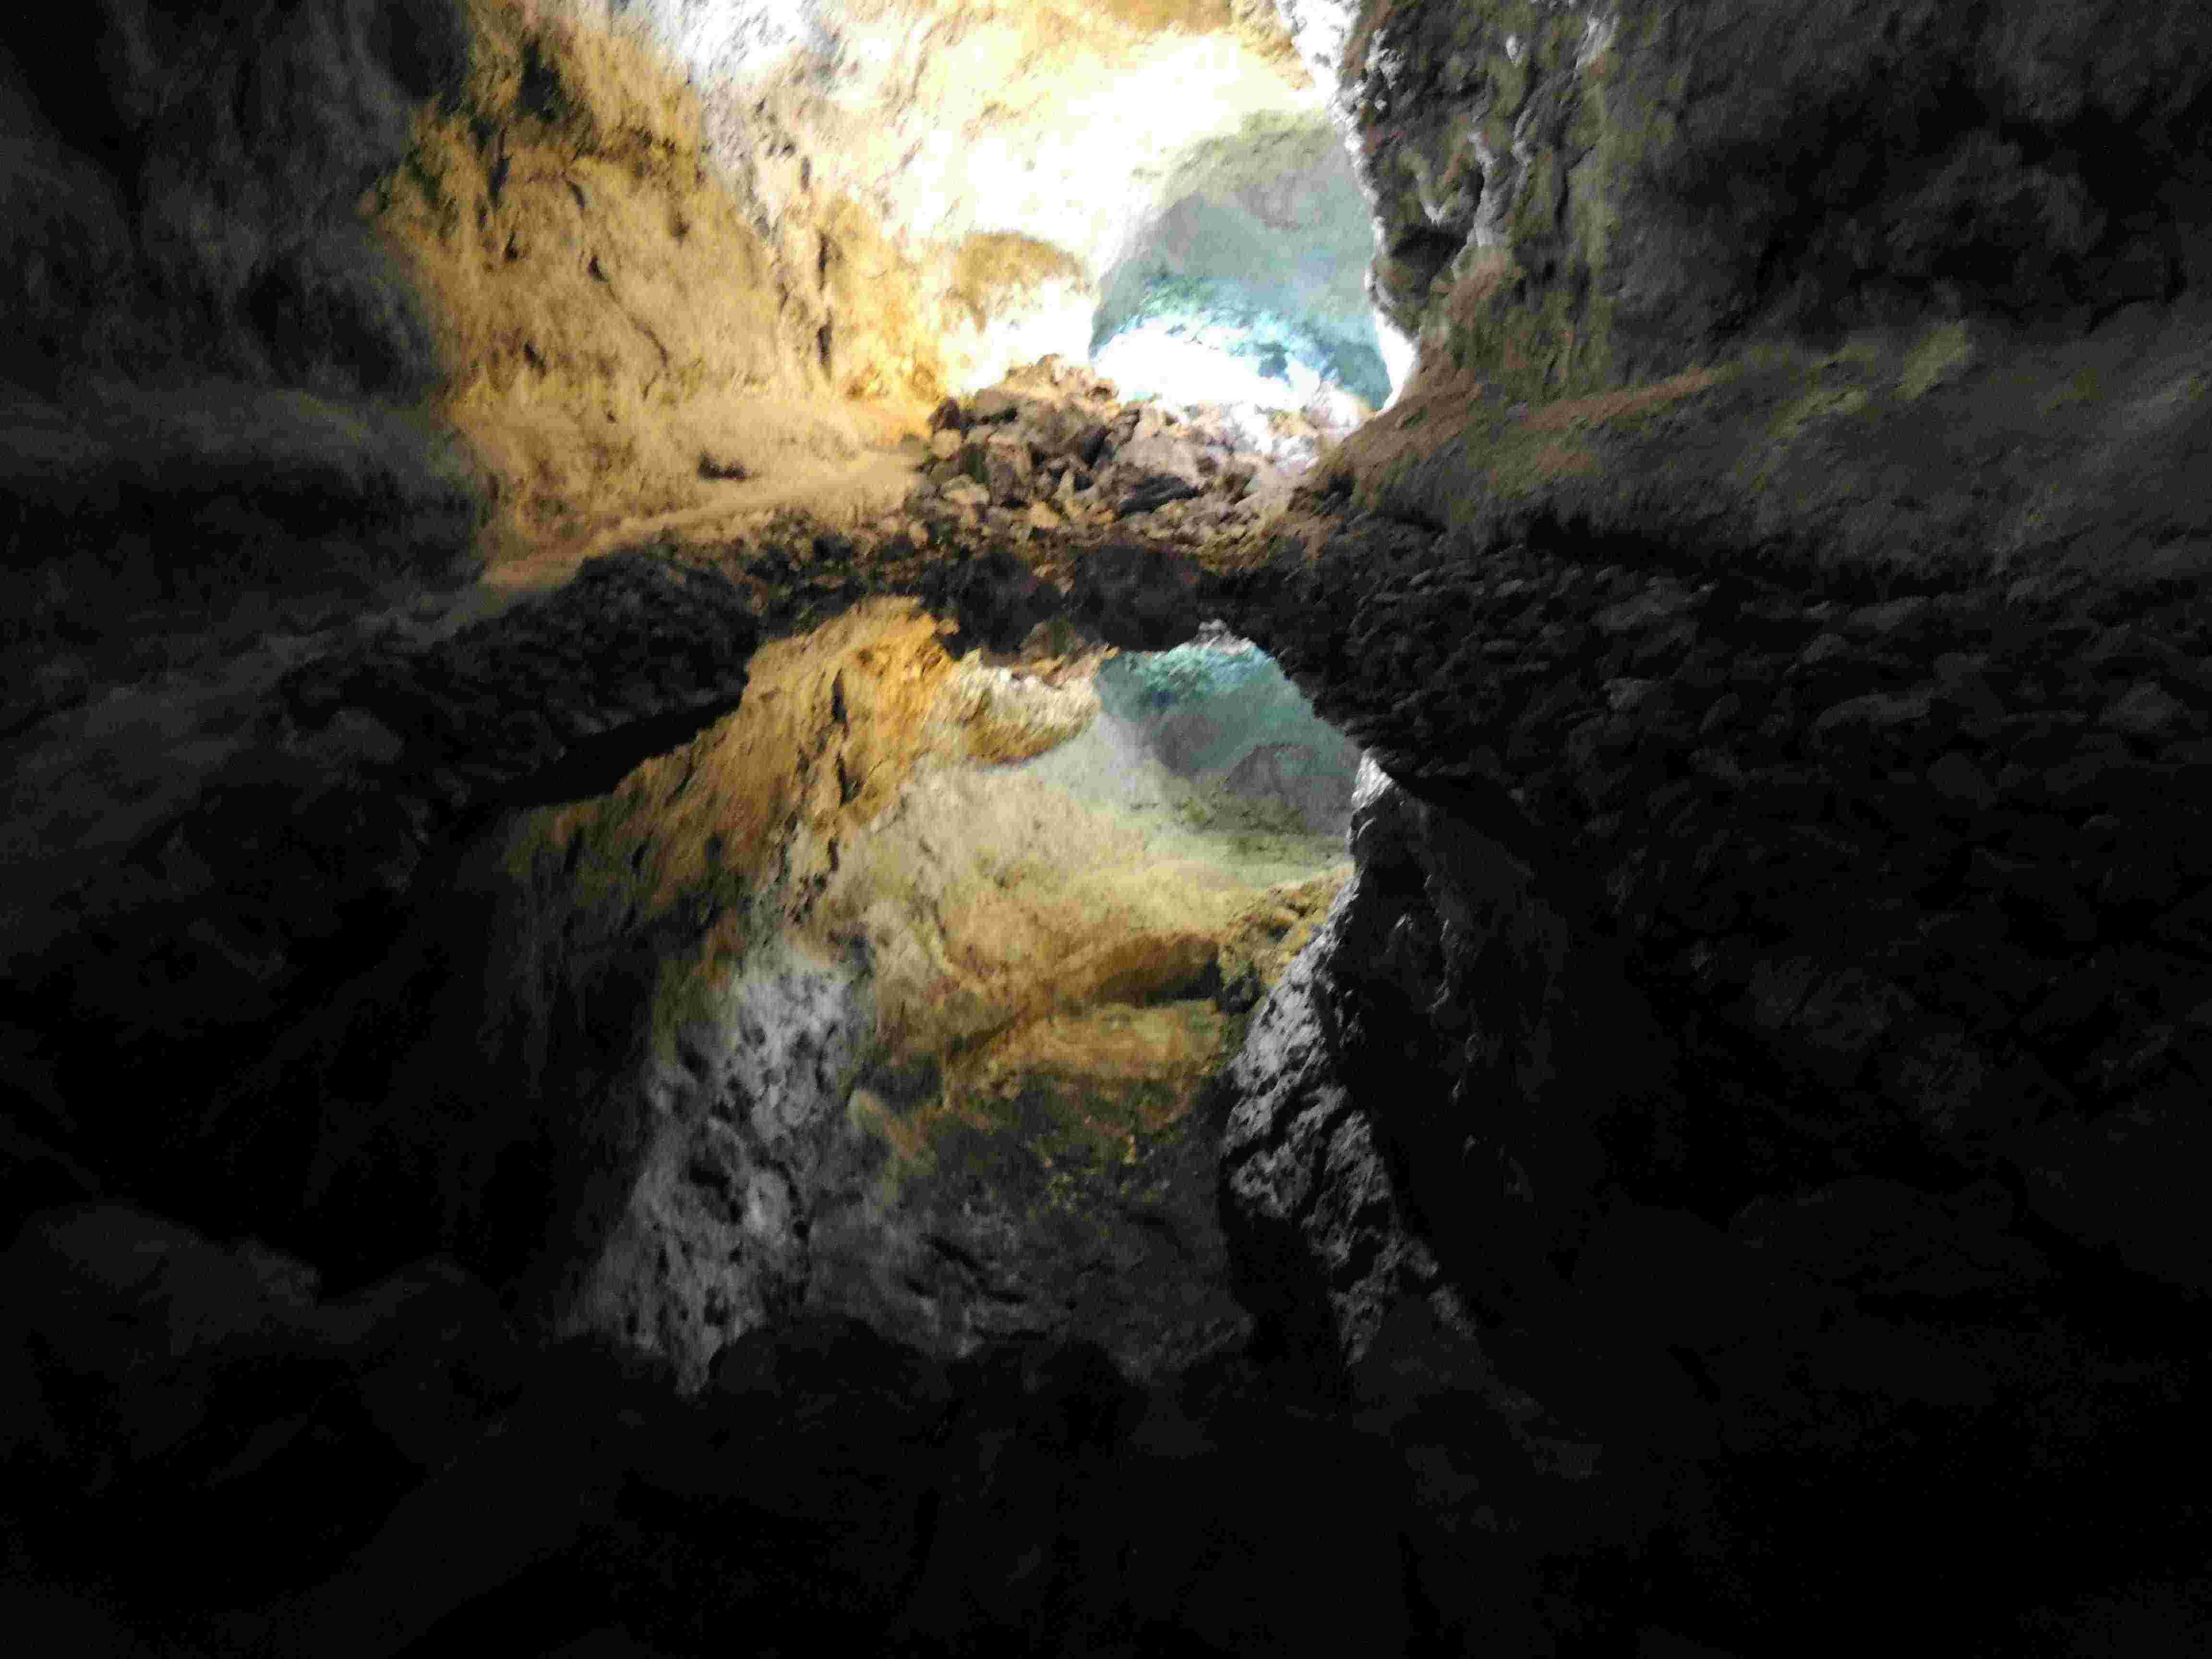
213 1390
2124 1183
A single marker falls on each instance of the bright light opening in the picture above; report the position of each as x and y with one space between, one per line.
1199 341
1152 359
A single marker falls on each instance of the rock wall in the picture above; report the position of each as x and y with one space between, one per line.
185 194
1733 1142
1861 710
275 266
1933 857
1775 608
1573 196
1009 156
1654 303
766 237
620 331
182 240
700 941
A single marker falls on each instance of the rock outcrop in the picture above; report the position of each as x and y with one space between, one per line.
695 943
1774 607
1050 446
1856 1151
1802 322
668 1093
396 1471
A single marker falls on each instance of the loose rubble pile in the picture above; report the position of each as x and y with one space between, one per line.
1050 446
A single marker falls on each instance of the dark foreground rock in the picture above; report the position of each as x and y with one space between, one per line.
1757 1023
397 1473
394 1473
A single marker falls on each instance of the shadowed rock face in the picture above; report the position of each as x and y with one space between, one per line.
1604 188
1790 696
1721 1165
1726 281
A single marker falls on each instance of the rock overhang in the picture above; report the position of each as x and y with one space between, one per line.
1703 679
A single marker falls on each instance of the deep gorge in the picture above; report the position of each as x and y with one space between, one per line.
1189 827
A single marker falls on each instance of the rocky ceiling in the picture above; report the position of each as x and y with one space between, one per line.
620 1031
603 240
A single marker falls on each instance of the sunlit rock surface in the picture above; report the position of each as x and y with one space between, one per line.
942 1062
554 784
524 281
1258 253
832 970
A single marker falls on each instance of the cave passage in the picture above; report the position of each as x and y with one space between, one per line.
1247 286
1213 733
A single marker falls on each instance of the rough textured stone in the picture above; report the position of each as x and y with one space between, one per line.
151 1366
1750 1096
1647 175
1658 298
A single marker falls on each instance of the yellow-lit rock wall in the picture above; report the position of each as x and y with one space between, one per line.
641 261
673 234
906 977
613 327
869 790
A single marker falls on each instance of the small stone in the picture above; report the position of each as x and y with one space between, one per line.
1658 602
1979 707
1889 617
1718 765
1627 694
2143 710
1956 778
2084 778
1825 648
1876 711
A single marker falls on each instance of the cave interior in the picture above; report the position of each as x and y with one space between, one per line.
1122 827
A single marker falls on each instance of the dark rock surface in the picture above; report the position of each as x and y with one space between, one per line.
391 1473
1777 609
1022 1231
1726 1178
1703 1054
1616 192
230 921
1784 1002
1897 851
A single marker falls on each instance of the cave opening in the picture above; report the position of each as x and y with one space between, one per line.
1215 733
1246 285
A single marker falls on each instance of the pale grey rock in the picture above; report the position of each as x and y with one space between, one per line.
1324 1245
714 1239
